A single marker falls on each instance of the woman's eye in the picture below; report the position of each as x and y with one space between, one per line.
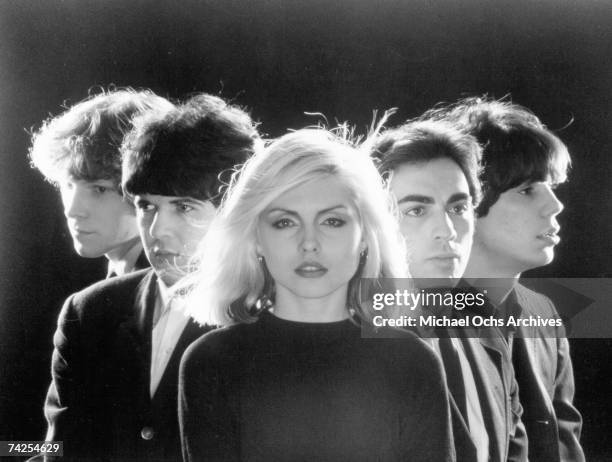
100 189
282 223
413 212
526 191
335 222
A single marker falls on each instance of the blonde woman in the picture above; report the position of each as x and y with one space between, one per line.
290 377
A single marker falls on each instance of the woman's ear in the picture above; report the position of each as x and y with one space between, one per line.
258 248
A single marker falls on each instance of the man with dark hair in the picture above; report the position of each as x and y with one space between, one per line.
432 171
78 151
517 230
119 342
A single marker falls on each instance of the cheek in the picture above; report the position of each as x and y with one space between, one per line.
416 239
190 235
112 210
127 209
345 249
64 198
143 222
276 244
464 227
410 232
278 254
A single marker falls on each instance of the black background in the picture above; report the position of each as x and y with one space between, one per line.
281 59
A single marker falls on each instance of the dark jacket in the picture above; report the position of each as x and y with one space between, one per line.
99 402
545 376
491 367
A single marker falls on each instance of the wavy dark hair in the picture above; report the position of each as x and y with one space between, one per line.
516 146
423 140
188 151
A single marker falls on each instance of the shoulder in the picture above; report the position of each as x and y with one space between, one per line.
108 296
220 345
404 348
534 302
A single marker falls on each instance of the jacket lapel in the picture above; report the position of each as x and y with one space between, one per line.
169 381
136 330
144 309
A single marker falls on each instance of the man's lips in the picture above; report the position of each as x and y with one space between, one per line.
81 232
446 257
164 254
550 237
310 270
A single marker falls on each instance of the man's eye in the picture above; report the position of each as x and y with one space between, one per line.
144 206
414 212
184 208
283 223
460 209
526 191
334 222
98 189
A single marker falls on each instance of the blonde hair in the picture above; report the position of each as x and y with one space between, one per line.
229 279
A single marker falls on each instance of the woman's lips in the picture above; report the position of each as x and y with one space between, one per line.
310 270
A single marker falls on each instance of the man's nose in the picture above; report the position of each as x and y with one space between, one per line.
161 225
552 205
75 202
444 228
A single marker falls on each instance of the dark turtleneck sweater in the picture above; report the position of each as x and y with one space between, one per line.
278 390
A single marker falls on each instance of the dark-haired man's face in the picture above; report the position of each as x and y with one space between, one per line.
520 231
437 218
170 229
100 221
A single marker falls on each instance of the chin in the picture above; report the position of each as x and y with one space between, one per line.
538 261
167 276
438 280
87 253
548 258
313 292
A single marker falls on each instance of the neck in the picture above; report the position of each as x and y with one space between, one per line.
330 308
123 257
484 271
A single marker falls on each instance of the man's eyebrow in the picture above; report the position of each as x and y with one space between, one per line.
180 200
416 198
458 197
139 200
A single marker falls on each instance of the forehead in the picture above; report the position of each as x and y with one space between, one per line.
439 179
314 196
160 200
71 179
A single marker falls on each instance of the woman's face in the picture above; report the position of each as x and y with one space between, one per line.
311 239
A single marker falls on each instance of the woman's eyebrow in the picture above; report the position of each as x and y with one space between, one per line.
293 212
